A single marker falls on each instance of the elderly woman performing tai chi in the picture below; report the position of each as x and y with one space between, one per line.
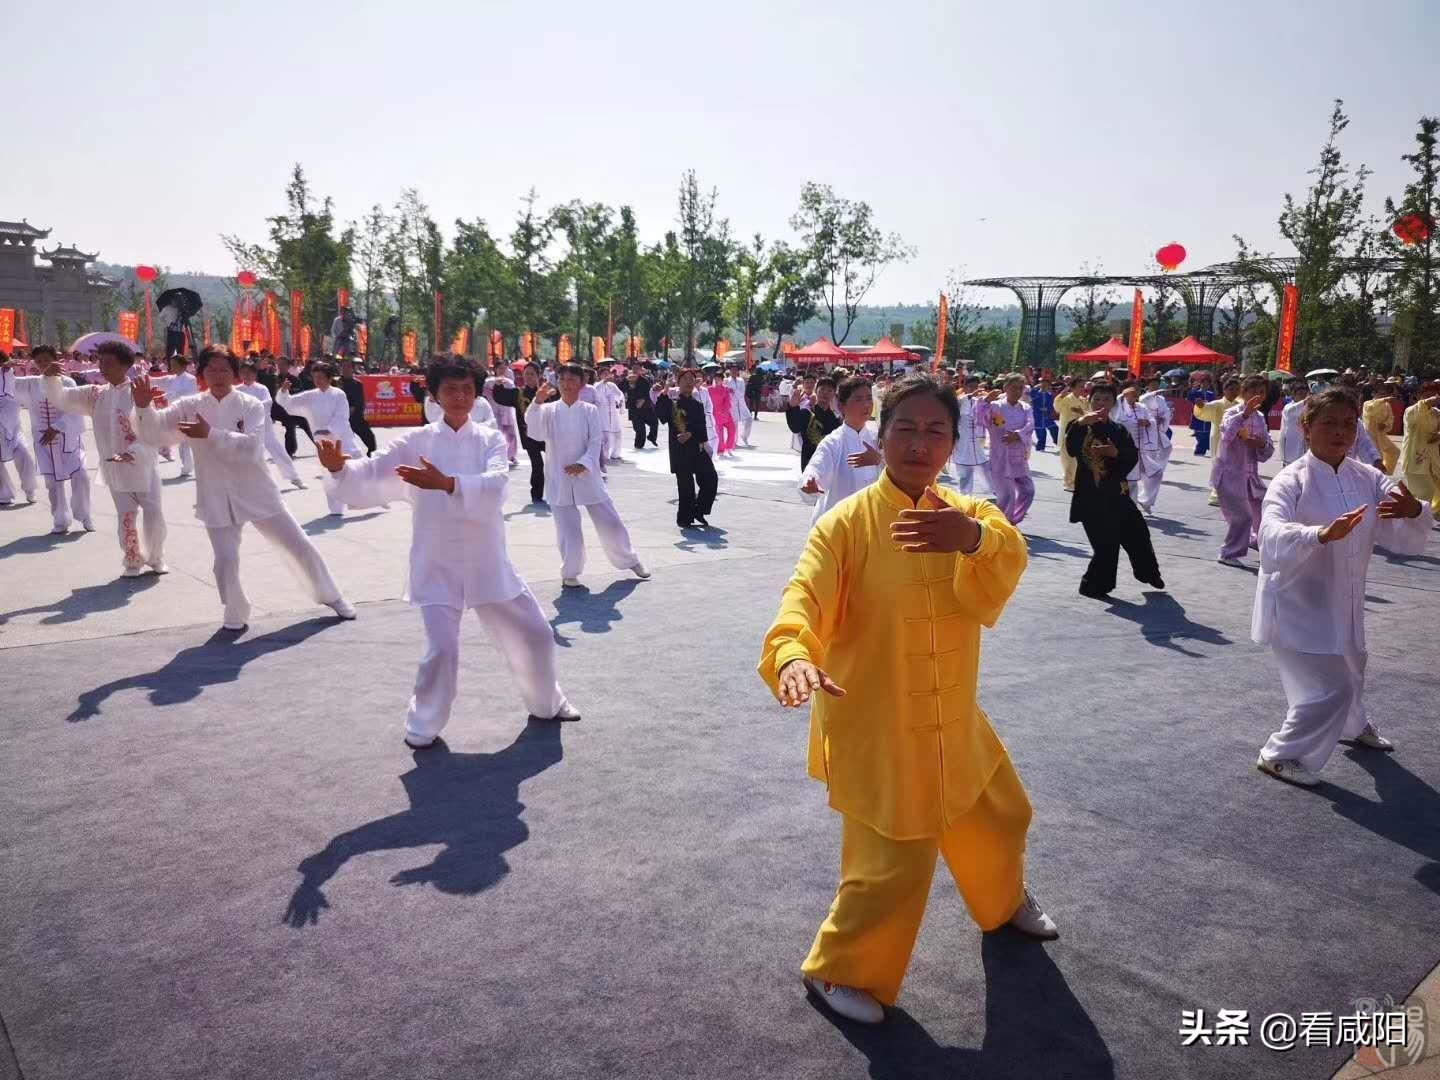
1321 519
880 624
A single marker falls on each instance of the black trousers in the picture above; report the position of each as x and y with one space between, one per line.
363 431
1117 524
645 427
291 423
692 504
537 473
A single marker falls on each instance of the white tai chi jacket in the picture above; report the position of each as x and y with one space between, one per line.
830 468
1292 435
736 386
1161 409
610 400
328 412
1147 438
10 431
112 415
65 455
1310 597
458 557
970 445
232 484
481 412
572 436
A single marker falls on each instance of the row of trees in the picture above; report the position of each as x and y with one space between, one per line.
575 268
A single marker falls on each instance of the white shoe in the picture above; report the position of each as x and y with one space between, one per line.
1292 772
570 582
1371 738
159 567
185 475
235 629
88 526
132 571
419 742
30 497
60 530
342 608
1029 919
1226 560
639 571
846 1001
298 484
567 713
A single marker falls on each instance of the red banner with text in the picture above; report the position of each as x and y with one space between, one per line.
297 320
1285 343
389 402
1137 333
127 325
7 331
942 327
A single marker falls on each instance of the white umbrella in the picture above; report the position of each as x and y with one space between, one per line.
88 343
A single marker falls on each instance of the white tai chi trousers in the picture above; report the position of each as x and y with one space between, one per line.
746 421
965 477
25 466
283 530
610 444
614 537
516 627
136 511
1147 489
1326 694
78 504
187 458
276 449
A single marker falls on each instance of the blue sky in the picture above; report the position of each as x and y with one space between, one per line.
998 138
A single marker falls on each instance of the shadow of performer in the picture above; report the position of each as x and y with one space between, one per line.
1034 1026
219 659
1162 620
87 599
468 802
1405 812
595 612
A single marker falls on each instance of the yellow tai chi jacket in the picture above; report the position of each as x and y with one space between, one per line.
1379 420
907 751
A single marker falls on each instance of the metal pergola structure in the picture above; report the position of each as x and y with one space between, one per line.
1201 290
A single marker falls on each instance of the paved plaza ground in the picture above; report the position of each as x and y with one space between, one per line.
218 860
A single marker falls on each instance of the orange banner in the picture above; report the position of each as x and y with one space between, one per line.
408 345
942 327
362 340
439 335
1137 333
460 345
527 346
127 325
305 342
722 349
597 348
297 319
1289 312
495 349
22 334
7 330
271 338
564 352
209 330
342 297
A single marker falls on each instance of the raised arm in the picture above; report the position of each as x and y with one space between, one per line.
809 606
79 400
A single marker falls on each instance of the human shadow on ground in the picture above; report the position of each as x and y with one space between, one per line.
1184 486
218 659
1407 560
530 510
1045 548
329 522
173 480
1171 527
87 599
1034 1026
697 537
594 612
1163 623
468 802
1404 812
31 545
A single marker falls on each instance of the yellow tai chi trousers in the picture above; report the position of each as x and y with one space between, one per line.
867 938
1067 463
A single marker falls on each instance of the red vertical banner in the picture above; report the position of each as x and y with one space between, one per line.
439 320
527 346
722 350
495 346
408 346
609 331
1289 312
1137 333
460 345
597 348
342 298
149 325
127 324
297 319
305 342
362 341
942 326
564 351
209 330
272 322
23 331
7 330
749 348
239 326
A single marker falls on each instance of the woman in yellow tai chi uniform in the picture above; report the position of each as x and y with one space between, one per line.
881 624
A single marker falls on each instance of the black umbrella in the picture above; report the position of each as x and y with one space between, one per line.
186 302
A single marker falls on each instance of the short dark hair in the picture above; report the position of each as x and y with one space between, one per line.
1256 380
323 367
1104 388
118 349
1315 404
850 385
1231 380
44 350
913 385
442 368
825 380
577 370
210 352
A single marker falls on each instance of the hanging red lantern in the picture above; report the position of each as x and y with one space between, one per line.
1170 256
246 278
146 274
1412 229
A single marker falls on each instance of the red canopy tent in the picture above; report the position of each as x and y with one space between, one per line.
1112 351
885 349
823 351
1188 352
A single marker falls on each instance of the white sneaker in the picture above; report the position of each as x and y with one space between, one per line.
639 571
342 608
298 484
1029 919
88 526
419 742
184 475
1292 772
567 713
1372 738
132 571
846 1001
1226 560
159 566
60 530
570 582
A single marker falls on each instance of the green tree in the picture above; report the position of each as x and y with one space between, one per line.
846 250
415 256
476 275
791 288
705 244
1414 290
1089 313
588 265
371 244
1162 325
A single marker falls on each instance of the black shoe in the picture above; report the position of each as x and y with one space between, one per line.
1156 582
1094 594
684 524
700 520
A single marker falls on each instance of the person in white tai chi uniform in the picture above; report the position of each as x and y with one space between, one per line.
744 418
970 451
249 370
179 383
1320 521
1146 432
570 430
328 410
1292 438
482 412
233 486
12 438
127 465
454 473
59 443
610 400
847 459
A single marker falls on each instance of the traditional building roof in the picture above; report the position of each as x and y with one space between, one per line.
68 254
22 232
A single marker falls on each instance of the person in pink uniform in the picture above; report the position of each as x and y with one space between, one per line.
1244 442
504 414
722 402
1011 423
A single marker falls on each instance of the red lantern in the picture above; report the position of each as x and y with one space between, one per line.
246 278
145 274
1170 256
1412 229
